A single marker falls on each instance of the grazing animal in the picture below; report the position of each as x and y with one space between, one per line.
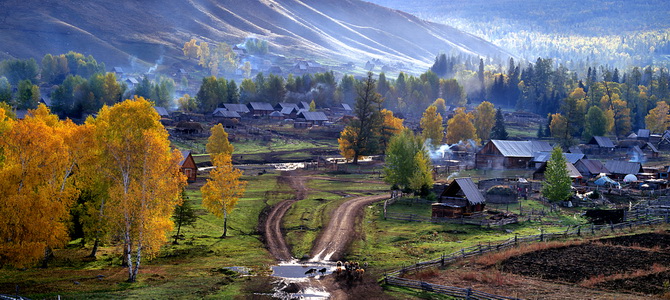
339 263
359 273
310 271
323 271
338 270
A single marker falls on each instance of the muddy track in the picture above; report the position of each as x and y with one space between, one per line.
336 237
272 228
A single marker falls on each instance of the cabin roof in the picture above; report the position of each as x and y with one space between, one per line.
240 108
623 167
602 142
468 187
521 148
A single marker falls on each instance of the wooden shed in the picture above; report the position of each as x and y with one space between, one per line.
188 166
460 198
502 154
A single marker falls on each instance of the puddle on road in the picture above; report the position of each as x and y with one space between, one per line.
295 280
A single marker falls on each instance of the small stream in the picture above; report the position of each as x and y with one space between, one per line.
300 280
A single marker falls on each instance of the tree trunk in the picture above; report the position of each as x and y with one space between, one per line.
94 251
355 161
225 226
129 264
178 229
124 257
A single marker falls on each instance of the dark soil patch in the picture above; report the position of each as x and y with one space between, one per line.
576 263
652 284
644 240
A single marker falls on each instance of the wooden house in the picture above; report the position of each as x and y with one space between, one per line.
501 154
650 150
258 109
541 158
312 118
222 113
619 169
241 109
277 116
599 145
643 134
590 168
162 111
460 198
572 172
188 166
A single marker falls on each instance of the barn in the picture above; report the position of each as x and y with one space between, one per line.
460 198
188 166
500 154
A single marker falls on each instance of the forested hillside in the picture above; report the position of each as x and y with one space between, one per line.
617 33
324 30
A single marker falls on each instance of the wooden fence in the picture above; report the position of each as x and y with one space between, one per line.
441 289
395 277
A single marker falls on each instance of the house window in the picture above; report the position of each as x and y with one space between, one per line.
187 172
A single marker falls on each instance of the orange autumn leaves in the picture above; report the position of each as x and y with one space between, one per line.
124 149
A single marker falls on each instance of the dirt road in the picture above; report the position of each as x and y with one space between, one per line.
274 238
335 238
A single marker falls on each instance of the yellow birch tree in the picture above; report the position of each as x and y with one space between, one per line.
657 120
431 126
35 184
223 188
460 127
145 181
485 118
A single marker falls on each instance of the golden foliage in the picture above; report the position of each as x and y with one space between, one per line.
460 127
223 188
431 126
657 120
145 181
218 143
347 138
485 118
35 164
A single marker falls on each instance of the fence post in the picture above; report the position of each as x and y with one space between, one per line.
579 231
516 236
442 260
463 252
593 229
480 249
612 226
468 293
541 235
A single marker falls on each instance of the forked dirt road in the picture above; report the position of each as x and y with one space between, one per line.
334 238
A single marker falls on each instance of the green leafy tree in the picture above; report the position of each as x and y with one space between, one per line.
17 70
407 164
361 136
28 95
596 123
556 185
499 132
183 215
5 90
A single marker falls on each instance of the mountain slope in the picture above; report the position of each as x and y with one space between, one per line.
349 30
